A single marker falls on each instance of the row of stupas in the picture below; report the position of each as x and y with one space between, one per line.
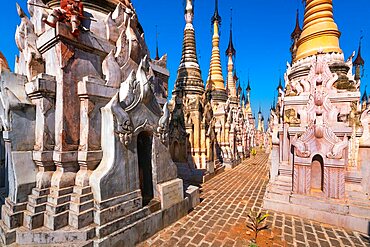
212 126
319 130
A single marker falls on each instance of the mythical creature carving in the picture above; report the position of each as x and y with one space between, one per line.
124 29
163 124
337 151
301 143
122 122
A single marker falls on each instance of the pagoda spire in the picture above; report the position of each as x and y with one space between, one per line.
189 79
297 30
280 86
230 53
216 16
320 32
230 49
295 37
359 61
249 89
156 44
364 96
215 81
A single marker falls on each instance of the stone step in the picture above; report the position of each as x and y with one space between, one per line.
67 236
102 217
284 179
76 198
277 196
36 208
36 200
40 192
80 207
57 209
56 221
33 221
280 189
59 200
116 225
360 211
81 219
7 236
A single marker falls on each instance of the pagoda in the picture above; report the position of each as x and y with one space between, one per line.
319 133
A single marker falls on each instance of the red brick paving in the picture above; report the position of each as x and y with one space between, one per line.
221 217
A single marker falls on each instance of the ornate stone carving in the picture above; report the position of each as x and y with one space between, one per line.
301 143
29 62
163 125
290 117
111 71
125 31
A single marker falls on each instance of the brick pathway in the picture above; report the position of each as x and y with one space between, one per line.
221 217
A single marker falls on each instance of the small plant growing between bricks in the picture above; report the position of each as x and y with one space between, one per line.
257 225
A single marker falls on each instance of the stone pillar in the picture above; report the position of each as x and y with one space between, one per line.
42 93
203 146
274 169
196 136
364 157
189 130
227 143
286 146
94 95
218 128
3 176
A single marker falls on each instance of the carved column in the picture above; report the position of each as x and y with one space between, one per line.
203 149
227 143
42 93
189 130
94 95
197 138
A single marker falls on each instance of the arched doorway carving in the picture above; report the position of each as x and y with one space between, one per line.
317 174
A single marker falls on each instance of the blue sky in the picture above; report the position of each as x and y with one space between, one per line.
261 36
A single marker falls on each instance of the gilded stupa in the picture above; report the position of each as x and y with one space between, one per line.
215 81
320 32
318 132
231 79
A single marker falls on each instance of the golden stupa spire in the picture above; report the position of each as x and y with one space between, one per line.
230 53
215 81
320 32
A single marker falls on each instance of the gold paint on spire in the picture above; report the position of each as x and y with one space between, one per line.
320 32
215 81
